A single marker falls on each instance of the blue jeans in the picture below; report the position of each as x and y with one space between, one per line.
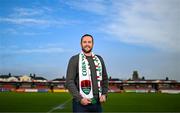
78 107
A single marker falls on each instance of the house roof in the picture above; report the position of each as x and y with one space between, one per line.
4 76
58 79
39 78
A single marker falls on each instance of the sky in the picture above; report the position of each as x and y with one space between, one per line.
40 36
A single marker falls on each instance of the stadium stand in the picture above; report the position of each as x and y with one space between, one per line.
40 84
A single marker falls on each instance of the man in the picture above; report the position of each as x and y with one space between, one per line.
87 79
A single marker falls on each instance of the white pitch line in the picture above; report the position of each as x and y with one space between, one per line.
60 106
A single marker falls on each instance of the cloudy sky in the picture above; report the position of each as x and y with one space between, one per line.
41 36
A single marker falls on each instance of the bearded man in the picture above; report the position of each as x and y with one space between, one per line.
87 79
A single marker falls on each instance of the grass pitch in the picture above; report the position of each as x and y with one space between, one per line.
116 102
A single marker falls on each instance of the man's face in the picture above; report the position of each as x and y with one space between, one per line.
87 44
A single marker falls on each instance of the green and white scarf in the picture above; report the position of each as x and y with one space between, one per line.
85 82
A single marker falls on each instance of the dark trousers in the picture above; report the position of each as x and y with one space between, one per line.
78 107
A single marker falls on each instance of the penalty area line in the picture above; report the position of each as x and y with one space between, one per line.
60 106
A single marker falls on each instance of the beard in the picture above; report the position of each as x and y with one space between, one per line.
86 51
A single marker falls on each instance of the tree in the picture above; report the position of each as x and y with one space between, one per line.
110 77
31 75
9 74
34 75
167 78
143 78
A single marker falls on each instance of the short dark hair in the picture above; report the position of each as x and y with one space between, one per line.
87 35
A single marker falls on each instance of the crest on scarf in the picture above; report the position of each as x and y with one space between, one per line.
85 83
86 86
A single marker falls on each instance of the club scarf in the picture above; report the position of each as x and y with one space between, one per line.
85 82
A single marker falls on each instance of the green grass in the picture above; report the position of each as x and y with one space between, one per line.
117 102
140 102
31 102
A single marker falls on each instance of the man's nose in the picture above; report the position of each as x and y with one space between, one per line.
87 44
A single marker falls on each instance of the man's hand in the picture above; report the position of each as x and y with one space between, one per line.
85 101
102 98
